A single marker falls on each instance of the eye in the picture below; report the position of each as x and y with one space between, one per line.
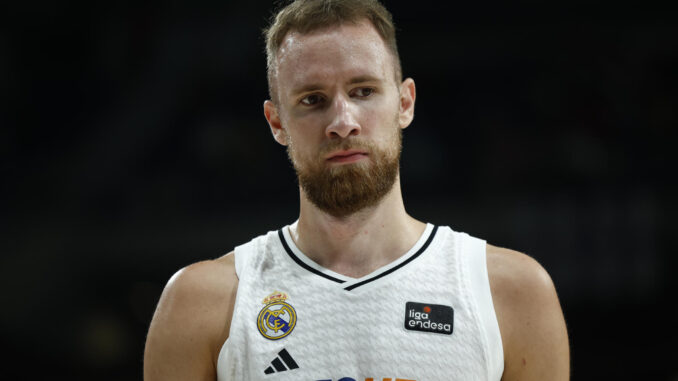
311 100
363 92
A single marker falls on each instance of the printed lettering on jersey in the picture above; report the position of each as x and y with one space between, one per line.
278 318
434 318
367 379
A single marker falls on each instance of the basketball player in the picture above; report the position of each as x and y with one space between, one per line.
355 288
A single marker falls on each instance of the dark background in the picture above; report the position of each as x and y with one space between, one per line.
133 143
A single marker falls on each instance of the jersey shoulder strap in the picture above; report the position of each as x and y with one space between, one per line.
474 263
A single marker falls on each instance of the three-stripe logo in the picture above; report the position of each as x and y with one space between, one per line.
282 363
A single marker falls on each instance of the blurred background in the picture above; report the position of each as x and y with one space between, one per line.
133 143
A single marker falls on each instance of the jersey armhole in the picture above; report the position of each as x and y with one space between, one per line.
241 255
480 284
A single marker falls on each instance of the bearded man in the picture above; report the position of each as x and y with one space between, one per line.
355 288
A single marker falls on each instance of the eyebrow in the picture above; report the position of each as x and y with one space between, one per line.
363 78
316 86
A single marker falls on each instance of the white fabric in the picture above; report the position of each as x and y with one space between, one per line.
360 333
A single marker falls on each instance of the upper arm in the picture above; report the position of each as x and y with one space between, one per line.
530 318
191 322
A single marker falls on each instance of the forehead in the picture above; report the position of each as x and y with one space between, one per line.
335 53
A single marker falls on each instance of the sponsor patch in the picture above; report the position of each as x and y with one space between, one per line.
278 318
434 318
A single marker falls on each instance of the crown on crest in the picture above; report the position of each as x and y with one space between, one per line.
275 297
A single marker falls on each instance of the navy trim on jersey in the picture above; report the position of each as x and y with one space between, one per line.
408 260
301 263
353 286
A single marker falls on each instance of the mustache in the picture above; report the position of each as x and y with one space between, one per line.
346 144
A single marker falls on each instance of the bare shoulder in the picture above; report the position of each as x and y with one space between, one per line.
203 288
191 321
515 273
203 281
530 317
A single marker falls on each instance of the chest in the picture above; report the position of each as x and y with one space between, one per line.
381 332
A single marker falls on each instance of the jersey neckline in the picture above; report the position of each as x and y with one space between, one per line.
346 282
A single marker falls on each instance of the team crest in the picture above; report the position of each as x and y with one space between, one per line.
277 319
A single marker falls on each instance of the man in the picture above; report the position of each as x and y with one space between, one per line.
355 289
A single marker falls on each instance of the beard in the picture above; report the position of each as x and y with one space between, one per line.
343 190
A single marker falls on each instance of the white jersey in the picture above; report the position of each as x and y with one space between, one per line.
428 316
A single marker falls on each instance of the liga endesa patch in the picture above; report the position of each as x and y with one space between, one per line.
434 318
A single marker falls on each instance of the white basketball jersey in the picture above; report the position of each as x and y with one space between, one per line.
428 316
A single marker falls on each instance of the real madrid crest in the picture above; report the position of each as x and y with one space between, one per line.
277 319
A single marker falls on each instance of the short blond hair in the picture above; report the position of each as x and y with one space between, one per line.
305 16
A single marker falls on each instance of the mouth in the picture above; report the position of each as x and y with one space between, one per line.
346 156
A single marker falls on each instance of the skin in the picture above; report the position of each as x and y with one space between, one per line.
337 83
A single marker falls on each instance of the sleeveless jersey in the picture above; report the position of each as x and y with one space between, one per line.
428 316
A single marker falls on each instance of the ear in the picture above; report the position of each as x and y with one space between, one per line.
408 94
273 119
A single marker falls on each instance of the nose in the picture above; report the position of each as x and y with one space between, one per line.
343 122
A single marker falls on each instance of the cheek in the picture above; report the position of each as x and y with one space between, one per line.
386 111
304 126
300 140
374 119
300 144
381 122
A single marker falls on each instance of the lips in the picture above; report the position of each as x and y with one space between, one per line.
346 156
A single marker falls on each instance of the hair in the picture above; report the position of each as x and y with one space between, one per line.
306 16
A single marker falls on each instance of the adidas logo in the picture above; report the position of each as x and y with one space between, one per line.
282 363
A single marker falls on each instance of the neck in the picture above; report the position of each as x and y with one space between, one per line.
360 243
